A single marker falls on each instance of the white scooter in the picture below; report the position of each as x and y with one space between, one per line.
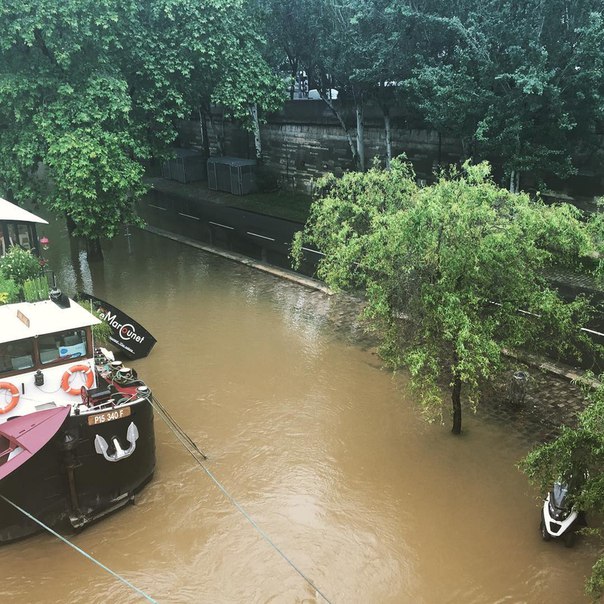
559 519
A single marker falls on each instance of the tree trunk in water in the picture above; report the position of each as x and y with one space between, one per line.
388 137
71 225
94 251
360 135
456 400
256 126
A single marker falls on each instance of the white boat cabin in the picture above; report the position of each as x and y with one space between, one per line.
46 355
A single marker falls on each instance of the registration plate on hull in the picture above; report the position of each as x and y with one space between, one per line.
108 416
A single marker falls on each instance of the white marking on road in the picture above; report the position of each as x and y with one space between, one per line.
307 249
261 236
189 216
595 333
224 226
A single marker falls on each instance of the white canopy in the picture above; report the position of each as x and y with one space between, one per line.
29 319
9 212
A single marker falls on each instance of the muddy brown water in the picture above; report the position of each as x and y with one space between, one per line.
321 447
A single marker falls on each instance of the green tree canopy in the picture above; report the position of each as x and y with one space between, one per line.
248 88
66 105
90 90
446 269
519 82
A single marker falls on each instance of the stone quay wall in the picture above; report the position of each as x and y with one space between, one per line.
304 141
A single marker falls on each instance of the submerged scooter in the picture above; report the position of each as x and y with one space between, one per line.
559 517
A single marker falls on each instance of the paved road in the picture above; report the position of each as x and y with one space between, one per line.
211 210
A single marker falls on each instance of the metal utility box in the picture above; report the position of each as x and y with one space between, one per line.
232 174
188 165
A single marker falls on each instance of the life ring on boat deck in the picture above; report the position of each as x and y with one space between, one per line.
14 399
65 384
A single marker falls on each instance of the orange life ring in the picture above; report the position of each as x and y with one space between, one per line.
86 370
14 399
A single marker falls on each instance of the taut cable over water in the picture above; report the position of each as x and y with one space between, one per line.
200 457
81 551
182 436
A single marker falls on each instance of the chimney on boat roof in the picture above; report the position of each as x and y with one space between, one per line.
59 298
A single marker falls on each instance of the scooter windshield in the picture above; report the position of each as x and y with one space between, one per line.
559 496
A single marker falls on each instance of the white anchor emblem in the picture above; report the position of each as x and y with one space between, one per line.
101 446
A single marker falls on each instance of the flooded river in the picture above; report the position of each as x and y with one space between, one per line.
323 449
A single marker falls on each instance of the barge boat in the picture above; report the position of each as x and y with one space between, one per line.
76 427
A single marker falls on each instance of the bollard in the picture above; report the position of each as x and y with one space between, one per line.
518 388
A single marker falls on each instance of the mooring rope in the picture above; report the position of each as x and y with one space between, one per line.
200 458
81 551
182 436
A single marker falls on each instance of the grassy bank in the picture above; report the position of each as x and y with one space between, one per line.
281 204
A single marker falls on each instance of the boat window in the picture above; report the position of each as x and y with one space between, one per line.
17 355
23 238
15 233
65 345
12 234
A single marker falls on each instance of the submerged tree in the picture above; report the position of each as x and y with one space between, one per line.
91 90
67 107
446 269
577 452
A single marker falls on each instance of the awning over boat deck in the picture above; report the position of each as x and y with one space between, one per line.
9 212
30 433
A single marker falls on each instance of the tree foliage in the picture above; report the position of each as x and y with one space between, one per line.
519 83
577 451
446 268
66 105
248 88
90 90
101 332
292 28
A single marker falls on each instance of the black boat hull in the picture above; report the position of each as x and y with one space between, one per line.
68 483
